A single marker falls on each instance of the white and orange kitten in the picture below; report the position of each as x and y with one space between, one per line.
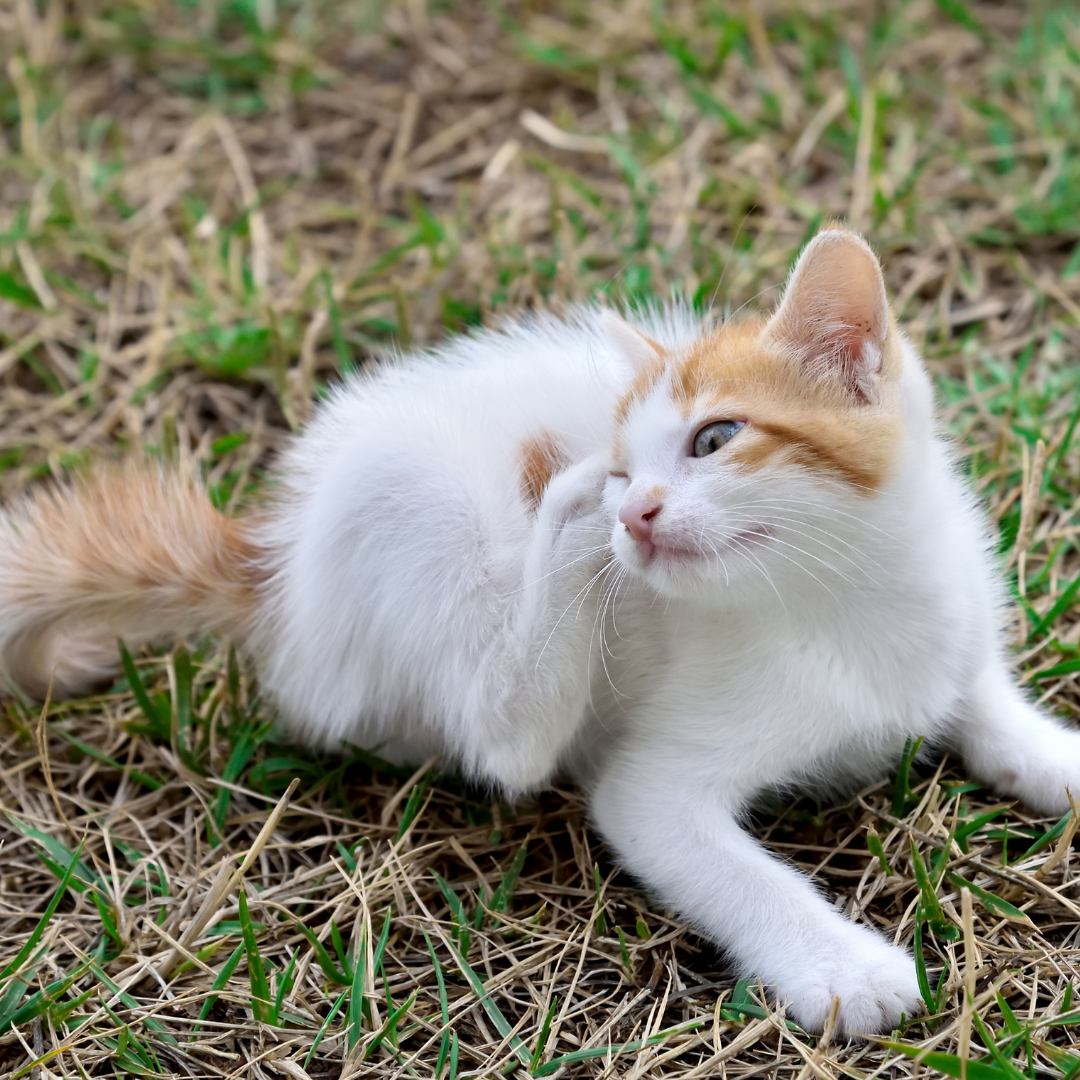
687 565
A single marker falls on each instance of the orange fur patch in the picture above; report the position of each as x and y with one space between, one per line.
540 458
791 414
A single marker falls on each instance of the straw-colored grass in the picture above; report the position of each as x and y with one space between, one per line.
208 210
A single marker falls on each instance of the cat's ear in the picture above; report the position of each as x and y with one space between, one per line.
834 315
636 349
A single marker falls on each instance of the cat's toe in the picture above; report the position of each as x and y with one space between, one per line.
875 982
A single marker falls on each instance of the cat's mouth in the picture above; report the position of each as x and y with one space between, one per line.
664 551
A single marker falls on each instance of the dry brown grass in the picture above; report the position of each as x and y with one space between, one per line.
202 221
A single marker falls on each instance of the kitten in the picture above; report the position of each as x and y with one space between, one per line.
687 565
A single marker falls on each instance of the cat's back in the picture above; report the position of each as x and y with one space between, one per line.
405 511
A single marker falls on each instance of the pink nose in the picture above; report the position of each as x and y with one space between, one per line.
637 515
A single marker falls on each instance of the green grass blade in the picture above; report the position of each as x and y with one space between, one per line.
1060 606
98 755
183 707
218 985
354 1017
1049 836
950 1064
931 905
457 912
960 13
261 1001
444 1007
129 1002
874 845
413 805
1014 1025
339 948
39 929
320 1034
542 1037
902 785
389 1025
11 1001
555 1064
330 969
285 981
969 828
241 754
500 898
920 969
60 856
1005 1065
380 945
994 904
495 1014
341 346
157 722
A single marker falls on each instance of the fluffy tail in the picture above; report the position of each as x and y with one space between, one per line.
137 553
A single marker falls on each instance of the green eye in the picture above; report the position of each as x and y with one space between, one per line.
711 437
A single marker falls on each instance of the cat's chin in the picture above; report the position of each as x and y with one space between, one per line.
675 570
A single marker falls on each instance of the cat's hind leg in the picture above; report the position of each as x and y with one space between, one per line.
1011 745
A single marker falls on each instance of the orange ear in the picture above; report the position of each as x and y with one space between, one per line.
834 315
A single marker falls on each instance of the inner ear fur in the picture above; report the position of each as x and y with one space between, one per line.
834 315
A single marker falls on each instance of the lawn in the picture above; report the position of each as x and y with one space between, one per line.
210 210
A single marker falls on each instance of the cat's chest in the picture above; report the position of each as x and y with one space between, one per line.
734 678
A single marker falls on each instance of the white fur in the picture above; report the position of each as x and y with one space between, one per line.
419 607
418 604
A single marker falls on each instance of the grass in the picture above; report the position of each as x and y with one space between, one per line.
210 210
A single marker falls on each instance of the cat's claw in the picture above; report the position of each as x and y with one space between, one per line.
875 982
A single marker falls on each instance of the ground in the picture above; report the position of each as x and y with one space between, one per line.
210 210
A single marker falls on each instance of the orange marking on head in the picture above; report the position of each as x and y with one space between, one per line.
639 389
792 414
540 458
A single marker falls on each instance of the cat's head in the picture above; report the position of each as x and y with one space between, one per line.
749 455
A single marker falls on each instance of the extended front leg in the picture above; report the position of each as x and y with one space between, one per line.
532 690
1015 748
678 833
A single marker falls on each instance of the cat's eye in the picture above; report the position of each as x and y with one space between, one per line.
711 437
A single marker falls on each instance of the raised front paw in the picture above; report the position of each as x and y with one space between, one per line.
577 492
875 982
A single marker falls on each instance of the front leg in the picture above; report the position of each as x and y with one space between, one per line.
532 690
1016 749
677 831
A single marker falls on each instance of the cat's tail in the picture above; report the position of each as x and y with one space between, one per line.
135 553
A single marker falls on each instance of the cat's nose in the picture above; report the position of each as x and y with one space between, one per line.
637 515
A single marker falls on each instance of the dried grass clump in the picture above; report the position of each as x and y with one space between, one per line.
209 211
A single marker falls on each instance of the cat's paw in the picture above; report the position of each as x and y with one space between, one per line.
577 493
1017 749
875 982
1042 782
